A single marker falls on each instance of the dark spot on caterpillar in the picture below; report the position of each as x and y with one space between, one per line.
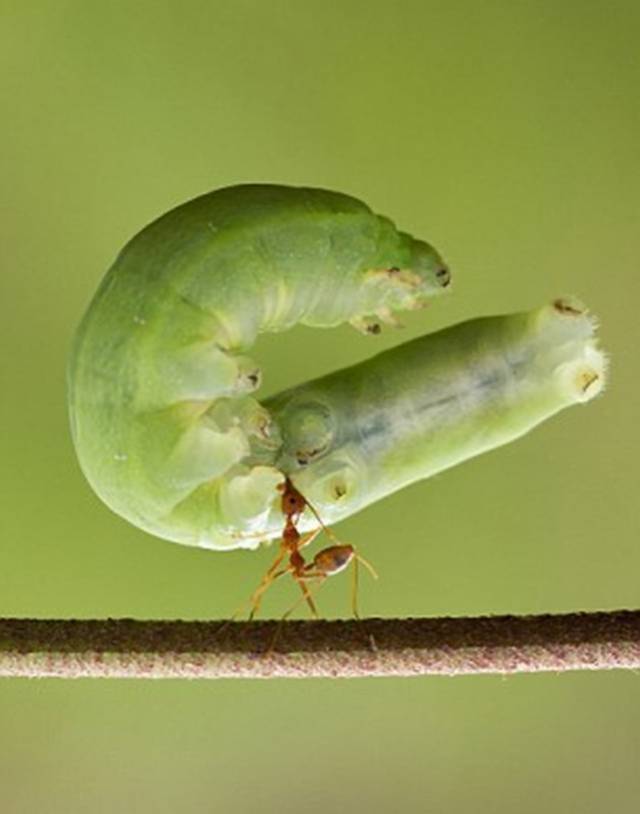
394 270
564 307
443 276
587 378
303 458
339 491
373 328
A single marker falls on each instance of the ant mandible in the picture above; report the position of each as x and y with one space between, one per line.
325 564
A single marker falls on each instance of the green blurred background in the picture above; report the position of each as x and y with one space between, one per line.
505 132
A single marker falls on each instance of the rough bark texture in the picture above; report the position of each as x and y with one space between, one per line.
127 648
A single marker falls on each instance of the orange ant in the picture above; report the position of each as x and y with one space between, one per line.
325 564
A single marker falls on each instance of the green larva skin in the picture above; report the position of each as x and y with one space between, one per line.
361 433
164 423
160 382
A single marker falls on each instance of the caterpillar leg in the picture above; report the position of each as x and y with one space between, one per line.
387 317
371 324
368 325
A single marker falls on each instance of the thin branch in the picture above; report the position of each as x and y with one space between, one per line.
127 648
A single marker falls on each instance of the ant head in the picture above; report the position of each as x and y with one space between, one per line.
293 503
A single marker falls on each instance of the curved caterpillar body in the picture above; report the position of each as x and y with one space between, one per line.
160 381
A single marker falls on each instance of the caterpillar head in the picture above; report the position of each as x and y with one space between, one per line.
412 284
429 274
406 280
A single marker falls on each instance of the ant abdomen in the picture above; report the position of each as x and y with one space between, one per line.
333 559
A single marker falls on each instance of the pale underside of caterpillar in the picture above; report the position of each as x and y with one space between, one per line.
163 415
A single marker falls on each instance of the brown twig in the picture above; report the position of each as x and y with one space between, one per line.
126 648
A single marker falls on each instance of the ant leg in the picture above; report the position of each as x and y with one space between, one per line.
321 578
256 595
336 558
324 528
256 598
357 559
298 568
311 536
354 589
265 582
306 594
272 574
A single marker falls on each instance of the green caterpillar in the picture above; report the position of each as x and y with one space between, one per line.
163 418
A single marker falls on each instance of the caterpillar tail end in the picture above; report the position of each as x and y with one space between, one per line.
570 333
